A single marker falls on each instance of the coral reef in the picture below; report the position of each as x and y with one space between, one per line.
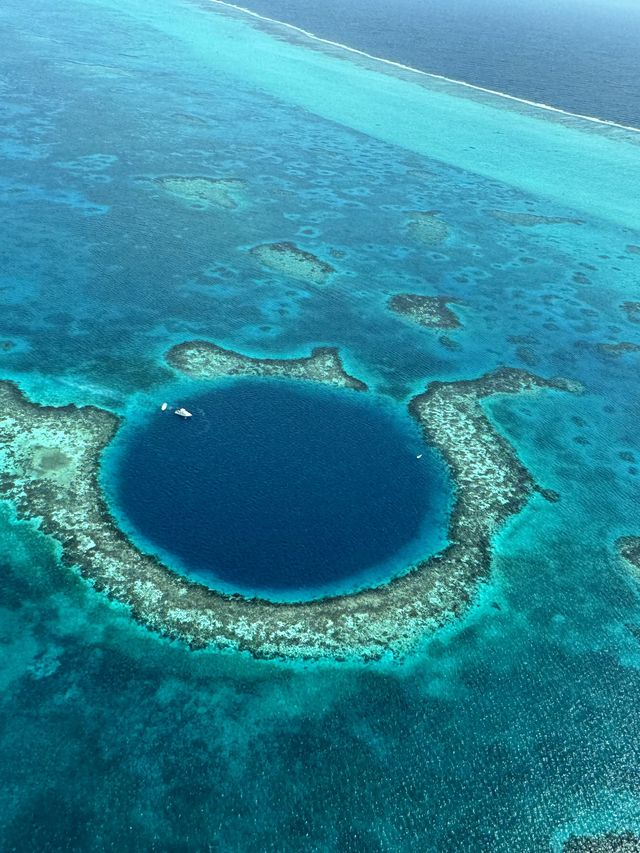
632 310
50 464
433 312
617 349
204 192
291 260
428 228
528 220
205 360
611 842
629 549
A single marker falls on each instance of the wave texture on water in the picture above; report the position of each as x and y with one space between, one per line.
429 74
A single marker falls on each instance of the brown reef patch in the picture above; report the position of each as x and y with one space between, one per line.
432 312
291 260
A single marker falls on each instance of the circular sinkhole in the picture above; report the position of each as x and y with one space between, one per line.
280 489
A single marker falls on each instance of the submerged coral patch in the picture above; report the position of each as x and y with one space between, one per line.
225 193
428 228
629 549
529 220
492 485
632 310
291 260
610 842
433 312
614 350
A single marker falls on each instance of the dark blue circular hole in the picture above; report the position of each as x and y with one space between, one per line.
280 485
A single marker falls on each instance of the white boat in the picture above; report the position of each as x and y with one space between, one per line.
164 407
419 456
183 413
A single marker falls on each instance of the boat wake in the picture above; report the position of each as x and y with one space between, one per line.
393 63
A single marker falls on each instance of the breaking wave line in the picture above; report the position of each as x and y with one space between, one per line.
346 47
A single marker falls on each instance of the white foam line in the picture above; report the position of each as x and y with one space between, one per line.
355 50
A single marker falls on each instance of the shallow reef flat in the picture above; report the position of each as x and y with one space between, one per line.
206 360
291 260
203 192
623 842
433 312
428 228
50 467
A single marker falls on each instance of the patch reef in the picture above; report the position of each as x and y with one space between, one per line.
50 464
291 260
433 312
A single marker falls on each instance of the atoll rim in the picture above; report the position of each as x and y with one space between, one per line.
50 471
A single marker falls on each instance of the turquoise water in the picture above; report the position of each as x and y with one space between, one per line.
281 490
514 727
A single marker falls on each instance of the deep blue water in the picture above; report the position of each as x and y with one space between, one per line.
578 55
276 487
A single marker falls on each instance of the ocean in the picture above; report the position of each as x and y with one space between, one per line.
184 171
580 56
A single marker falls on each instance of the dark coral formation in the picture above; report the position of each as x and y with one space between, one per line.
291 260
428 228
632 310
614 350
529 220
611 842
205 360
629 549
433 312
203 192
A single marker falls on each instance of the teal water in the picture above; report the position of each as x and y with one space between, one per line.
513 728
